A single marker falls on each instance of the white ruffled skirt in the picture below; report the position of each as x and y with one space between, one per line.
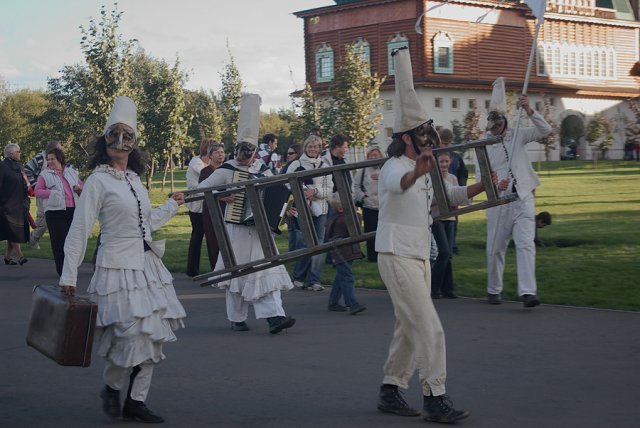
138 310
252 287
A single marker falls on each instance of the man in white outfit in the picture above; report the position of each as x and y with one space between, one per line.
516 219
403 242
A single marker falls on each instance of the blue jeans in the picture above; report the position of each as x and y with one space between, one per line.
343 285
309 269
442 279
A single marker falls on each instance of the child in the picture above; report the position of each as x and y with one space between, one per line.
342 258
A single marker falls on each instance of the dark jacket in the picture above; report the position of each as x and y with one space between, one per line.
14 203
336 229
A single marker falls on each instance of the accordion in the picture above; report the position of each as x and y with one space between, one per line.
239 211
273 198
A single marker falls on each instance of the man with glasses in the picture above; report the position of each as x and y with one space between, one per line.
403 240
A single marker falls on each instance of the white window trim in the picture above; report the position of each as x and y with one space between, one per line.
576 61
399 40
442 40
324 52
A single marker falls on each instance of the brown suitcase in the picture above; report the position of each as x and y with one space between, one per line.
62 327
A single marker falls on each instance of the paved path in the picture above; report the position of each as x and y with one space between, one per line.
546 367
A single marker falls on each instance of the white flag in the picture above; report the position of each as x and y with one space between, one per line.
538 8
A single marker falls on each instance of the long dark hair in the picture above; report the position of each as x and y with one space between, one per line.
138 160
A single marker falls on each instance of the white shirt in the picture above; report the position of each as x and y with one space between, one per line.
404 215
193 175
107 197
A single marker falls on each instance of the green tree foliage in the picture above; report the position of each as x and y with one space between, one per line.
549 142
356 99
306 115
82 96
632 127
458 131
206 119
229 101
161 108
20 114
471 129
280 123
600 134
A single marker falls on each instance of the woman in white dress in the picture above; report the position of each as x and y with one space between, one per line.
137 304
260 289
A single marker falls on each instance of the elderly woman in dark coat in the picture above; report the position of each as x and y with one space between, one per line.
14 205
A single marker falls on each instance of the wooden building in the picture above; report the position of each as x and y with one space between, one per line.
587 59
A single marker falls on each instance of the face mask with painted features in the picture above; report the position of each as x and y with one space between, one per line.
496 123
245 152
121 137
424 136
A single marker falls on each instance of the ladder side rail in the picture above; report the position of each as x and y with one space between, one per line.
222 236
262 264
440 193
305 219
265 236
346 199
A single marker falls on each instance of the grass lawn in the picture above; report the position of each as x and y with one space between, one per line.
591 253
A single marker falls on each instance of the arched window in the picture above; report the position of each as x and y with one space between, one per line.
397 41
442 53
324 64
361 47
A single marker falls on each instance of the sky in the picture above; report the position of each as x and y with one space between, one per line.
39 37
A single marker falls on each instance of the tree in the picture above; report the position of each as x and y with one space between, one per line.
81 98
229 101
206 119
632 128
549 142
471 120
308 114
19 115
356 99
600 135
161 110
458 131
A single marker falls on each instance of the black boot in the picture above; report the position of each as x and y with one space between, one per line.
138 410
392 401
110 402
440 409
279 323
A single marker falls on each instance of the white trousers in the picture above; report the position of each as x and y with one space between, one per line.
418 338
41 223
118 378
265 307
516 220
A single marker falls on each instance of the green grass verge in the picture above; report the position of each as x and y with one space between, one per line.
591 251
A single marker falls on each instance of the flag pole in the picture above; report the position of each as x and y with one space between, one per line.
524 88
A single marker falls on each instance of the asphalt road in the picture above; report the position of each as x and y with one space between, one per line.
546 367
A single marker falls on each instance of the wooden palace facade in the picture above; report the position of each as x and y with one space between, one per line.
587 57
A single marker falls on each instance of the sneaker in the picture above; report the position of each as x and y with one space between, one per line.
530 300
22 261
493 299
10 262
440 409
392 401
316 287
356 308
298 284
337 308
279 323
239 326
